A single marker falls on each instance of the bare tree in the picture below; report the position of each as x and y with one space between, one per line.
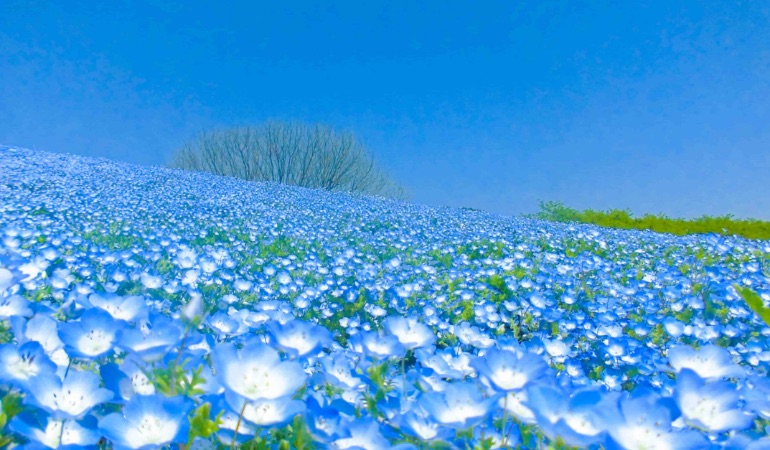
314 156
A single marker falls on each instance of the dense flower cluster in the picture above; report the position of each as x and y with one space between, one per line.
144 307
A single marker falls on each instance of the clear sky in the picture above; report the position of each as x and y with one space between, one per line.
653 106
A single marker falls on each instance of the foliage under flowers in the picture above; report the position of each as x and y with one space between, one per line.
146 307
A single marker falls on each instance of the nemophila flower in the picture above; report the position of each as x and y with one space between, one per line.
256 371
573 417
268 412
339 371
6 279
192 311
71 398
126 380
644 422
470 335
148 421
713 406
151 281
410 333
18 365
42 329
152 339
418 423
709 362
516 403
53 432
299 338
362 434
14 306
756 393
507 371
459 406
229 420
90 337
226 325
556 348
323 420
129 309
381 346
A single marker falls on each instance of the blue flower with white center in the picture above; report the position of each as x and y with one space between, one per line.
417 422
709 362
459 406
55 433
90 337
410 333
362 434
147 422
572 417
152 339
126 380
6 279
339 371
225 325
322 418
14 306
228 421
713 406
266 413
643 422
71 398
470 335
299 338
256 371
18 365
380 346
507 371
129 309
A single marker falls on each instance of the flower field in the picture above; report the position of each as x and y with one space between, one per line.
144 307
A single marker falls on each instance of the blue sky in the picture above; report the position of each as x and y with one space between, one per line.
653 106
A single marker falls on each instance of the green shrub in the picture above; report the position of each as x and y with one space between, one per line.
617 218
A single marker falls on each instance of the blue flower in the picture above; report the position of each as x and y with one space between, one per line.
71 398
129 309
338 370
410 333
460 405
713 406
644 422
300 338
417 422
18 365
14 306
381 346
572 417
362 434
126 380
256 371
508 371
148 421
90 337
55 433
266 413
709 362
153 338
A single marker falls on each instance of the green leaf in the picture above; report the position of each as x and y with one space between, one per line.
755 302
201 424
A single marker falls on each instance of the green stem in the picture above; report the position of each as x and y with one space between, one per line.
237 425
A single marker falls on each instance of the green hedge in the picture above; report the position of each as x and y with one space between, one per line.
622 218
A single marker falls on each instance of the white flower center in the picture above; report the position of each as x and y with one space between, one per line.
95 342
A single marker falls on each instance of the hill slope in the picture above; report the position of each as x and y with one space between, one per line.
315 318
